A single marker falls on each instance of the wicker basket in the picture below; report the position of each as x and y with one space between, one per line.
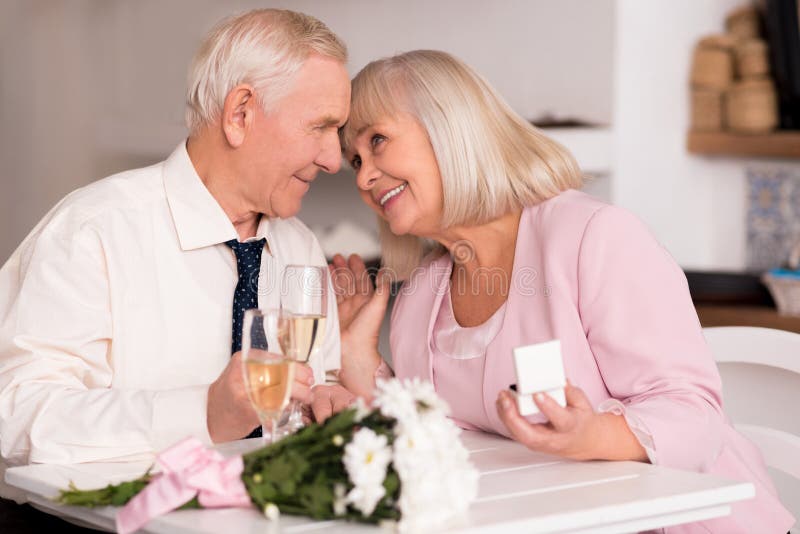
712 66
785 292
752 60
751 106
706 110
743 23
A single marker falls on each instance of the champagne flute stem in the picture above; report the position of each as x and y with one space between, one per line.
264 436
273 431
294 416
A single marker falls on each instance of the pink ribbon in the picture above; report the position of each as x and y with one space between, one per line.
188 469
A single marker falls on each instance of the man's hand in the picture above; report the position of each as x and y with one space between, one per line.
229 414
328 400
303 380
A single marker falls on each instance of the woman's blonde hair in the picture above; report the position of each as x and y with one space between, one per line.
490 159
263 47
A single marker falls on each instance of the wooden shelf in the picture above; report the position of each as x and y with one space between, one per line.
781 144
721 315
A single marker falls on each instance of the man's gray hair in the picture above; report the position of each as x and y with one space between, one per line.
265 48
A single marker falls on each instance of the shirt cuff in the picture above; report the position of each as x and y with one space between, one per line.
178 414
331 377
636 425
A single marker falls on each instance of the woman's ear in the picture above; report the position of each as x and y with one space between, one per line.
237 114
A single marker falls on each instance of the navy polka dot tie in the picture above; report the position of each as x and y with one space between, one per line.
245 297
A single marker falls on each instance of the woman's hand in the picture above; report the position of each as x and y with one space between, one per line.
574 431
352 286
328 400
361 311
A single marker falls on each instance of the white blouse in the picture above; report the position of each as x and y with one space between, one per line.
458 358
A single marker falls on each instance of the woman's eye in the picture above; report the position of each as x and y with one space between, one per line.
376 139
356 162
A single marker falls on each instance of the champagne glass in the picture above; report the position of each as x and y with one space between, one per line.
268 373
304 308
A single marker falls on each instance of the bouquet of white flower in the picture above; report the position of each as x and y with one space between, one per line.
400 461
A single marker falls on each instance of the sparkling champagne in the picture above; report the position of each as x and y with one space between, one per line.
269 385
302 335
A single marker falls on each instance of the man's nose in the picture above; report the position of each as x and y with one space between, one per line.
330 156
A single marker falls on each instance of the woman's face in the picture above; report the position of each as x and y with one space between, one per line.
397 174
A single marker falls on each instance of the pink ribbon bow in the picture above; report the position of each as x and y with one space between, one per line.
188 469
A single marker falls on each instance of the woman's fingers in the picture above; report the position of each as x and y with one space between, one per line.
570 430
321 408
342 278
359 269
560 417
530 435
380 299
328 400
577 398
350 276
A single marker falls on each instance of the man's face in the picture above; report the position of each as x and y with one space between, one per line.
286 147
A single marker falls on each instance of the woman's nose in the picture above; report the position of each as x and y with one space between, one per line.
367 175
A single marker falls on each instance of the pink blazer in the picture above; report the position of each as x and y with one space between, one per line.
592 275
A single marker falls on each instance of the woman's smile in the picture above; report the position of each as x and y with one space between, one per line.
388 198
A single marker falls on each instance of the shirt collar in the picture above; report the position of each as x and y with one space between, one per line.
199 220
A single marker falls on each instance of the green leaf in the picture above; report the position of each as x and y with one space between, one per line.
317 498
111 495
193 503
392 483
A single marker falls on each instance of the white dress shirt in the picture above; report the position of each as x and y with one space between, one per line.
115 316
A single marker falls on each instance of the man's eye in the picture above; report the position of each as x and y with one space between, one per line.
376 139
356 162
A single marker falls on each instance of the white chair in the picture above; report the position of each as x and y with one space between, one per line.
760 369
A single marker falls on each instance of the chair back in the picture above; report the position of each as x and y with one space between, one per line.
760 369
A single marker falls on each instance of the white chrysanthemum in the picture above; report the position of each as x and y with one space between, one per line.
436 478
366 458
271 511
339 499
362 410
414 452
395 400
366 497
424 394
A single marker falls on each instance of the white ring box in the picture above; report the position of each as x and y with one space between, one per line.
539 369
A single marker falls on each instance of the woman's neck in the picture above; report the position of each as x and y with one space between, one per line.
489 245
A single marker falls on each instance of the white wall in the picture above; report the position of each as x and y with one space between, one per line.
90 87
695 205
46 111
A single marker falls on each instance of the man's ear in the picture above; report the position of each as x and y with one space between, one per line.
238 113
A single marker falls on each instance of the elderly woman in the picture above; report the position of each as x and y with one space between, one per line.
481 216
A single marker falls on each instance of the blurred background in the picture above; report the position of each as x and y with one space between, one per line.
92 87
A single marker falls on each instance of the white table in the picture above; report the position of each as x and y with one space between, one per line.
519 491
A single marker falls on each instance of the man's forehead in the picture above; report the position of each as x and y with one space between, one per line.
331 120
326 103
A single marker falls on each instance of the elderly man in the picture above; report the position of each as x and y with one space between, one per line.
120 312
